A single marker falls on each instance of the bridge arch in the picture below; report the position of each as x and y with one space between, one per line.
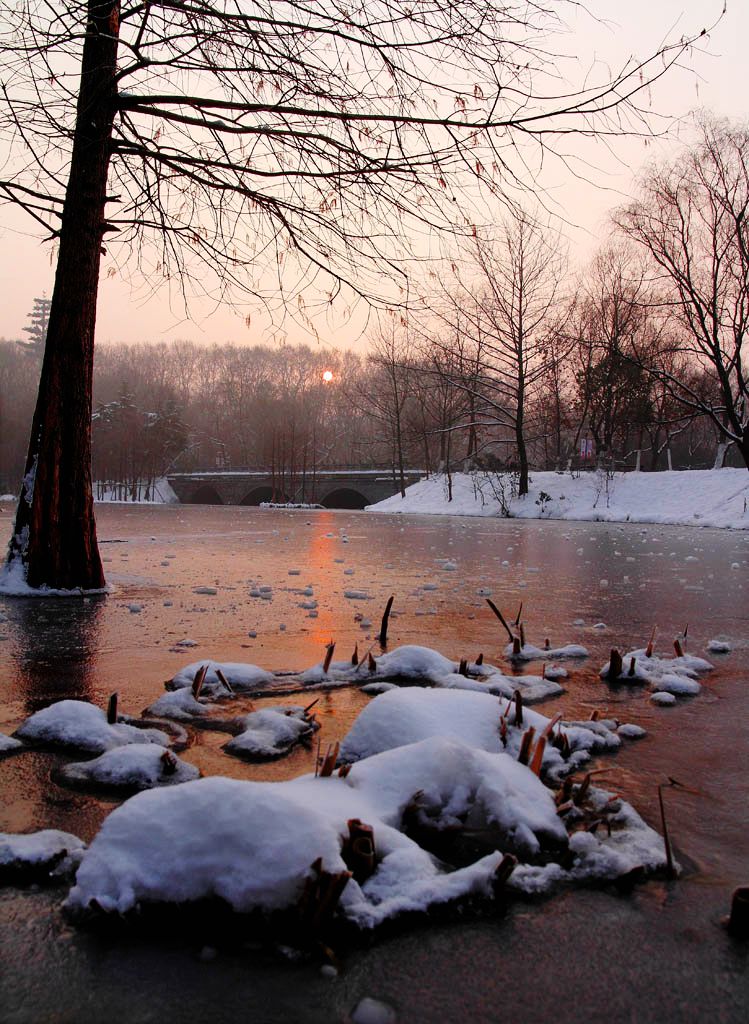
262 493
205 495
345 497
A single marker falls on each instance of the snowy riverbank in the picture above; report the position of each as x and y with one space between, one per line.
713 497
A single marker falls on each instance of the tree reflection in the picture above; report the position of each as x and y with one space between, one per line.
54 644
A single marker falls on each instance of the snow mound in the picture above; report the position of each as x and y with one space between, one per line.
530 653
78 725
717 646
247 843
405 716
179 705
662 698
677 675
10 745
39 856
131 768
270 733
257 845
241 677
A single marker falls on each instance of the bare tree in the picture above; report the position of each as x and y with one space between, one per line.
691 220
247 134
507 307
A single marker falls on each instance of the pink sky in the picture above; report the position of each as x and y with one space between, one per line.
721 84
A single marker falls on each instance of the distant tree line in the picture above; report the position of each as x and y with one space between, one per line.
512 363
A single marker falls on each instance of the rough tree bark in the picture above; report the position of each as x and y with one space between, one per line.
55 532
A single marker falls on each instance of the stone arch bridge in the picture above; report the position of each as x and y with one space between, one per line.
337 488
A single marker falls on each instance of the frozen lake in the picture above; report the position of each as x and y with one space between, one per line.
201 574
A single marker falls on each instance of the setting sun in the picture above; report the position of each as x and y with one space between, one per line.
327 376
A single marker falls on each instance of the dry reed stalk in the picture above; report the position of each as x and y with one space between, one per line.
329 649
224 681
112 709
594 715
355 655
371 663
525 745
199 679
383 634
501 617
518 698
480 659
678 648
328 764
317 758
651 642
615 664
310 706
359 849
520 612
522 635
632 662
463 667
547 644
343 771
516 646
538 755
502 873
552 722
503 730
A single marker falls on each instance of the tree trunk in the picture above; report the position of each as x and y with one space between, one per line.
54 540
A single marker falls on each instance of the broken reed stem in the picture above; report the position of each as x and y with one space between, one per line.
678 648
463 667
522 635
480 659
502 873
651 642
518 698
224 681
371 663
516 645
538 755
501 618
525 745
328 764
520 612
112 709
317 758
355 655
615 664
197 683
552 722
328 656
383 635
632 662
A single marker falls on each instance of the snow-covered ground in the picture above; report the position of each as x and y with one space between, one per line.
161 494
712 497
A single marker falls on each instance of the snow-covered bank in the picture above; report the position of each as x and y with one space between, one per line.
160 493
712 497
